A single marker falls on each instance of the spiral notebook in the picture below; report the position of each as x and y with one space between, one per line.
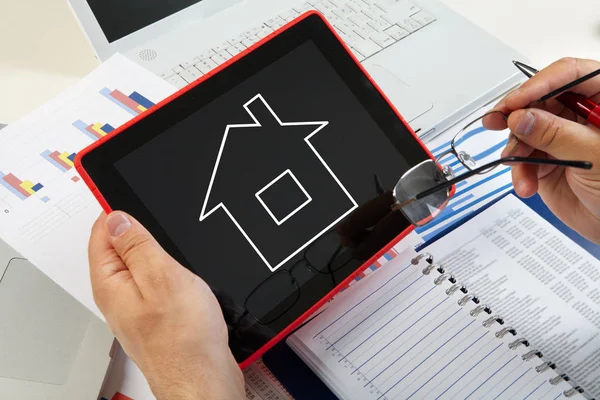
414 331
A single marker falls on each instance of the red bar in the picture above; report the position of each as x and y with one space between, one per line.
15 182
93 132
126 100
55 157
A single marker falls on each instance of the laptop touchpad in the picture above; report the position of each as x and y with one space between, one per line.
41 326
409 103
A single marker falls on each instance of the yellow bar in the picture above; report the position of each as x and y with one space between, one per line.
65 157
142 108
28 185
98 129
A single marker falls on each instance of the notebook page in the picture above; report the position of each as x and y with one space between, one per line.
399 336
541 282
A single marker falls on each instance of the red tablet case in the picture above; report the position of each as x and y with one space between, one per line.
106 207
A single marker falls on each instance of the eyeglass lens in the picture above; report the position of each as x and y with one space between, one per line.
417 180
475 146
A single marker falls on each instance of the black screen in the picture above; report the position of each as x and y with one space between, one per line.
119 18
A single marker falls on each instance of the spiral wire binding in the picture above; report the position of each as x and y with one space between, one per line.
489 322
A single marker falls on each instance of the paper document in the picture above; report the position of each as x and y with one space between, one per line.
401 336
475 192
46 211
537 279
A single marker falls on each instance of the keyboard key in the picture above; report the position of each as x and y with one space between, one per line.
250 41
188 64
379 24
275 23
187 76
365 31
177 69
206 66
365 47
289 15
373 12
400 11
345 27
302 8
423 18
356 5
263 33
167 74
177 81
221 47
235 50
221 58
237 39
382 39
410 25
343 12
359 19
194 72
207 55
396 32
324 6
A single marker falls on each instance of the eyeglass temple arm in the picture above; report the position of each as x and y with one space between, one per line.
522 160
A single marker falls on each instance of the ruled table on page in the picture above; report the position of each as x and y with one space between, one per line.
401 336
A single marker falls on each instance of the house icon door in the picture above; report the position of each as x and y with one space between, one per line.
273 184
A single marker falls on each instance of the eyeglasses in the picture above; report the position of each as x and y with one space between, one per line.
324 256
424 191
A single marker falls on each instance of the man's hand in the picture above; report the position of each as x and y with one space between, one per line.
553 131
166 318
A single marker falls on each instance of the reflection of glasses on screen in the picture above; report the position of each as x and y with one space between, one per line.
326 255
423 192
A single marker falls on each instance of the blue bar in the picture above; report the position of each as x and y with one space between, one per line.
82 126
443 228
459 201
46 155
107 128
437 221
72 157
37 187
10 188
485 153
440 148
387 256
141 100
106 93
45 199
481 182
373 268
460 184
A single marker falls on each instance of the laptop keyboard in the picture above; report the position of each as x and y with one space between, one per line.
367 27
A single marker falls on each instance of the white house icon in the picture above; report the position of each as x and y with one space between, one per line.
313 127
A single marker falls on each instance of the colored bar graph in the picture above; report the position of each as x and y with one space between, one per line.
93 131
52 158
134 104
65 158
19 188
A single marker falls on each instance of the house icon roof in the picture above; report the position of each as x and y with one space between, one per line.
213 203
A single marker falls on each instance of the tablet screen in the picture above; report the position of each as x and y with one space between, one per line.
254 186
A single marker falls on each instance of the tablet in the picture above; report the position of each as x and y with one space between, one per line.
270 178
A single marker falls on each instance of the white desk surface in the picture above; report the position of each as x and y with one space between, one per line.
43 50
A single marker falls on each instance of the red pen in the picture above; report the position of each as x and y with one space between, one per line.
575 102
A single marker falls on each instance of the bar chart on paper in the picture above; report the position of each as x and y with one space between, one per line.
471 193
46 211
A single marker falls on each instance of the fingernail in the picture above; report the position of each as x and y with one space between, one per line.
525 125
117 224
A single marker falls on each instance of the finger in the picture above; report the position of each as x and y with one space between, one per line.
553 77
148 263
108 274
525 180
560 138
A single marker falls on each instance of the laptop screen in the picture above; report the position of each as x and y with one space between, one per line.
119 18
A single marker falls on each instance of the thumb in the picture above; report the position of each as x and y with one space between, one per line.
556 136
148 263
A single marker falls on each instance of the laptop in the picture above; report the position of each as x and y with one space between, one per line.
433 64
51 346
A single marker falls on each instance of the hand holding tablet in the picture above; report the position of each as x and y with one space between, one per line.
259 178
